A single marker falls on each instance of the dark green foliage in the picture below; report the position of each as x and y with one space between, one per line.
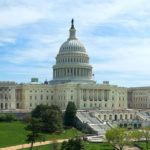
10 117
70 114
37 112
7 117
73 144
2 117
51 116
26 118
35 126
52 121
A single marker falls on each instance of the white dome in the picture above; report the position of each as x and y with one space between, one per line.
72 62
72 45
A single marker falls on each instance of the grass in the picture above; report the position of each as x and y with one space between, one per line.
88 146
142 145
98 146
14 133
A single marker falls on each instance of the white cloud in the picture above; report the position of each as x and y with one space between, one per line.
129 56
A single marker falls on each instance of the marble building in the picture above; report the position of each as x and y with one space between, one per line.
72 81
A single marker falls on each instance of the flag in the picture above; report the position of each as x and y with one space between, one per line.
91 75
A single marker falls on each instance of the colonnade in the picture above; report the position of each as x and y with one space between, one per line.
95 94
71 72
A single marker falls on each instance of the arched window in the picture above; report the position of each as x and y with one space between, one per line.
110 117
121 117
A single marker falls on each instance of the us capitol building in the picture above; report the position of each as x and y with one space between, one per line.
72 81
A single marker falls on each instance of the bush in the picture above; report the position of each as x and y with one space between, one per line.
10 117
2 117
26 118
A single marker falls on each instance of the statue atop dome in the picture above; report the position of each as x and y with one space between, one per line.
72 24
72 31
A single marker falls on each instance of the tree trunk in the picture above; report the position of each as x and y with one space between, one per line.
121 148
31 146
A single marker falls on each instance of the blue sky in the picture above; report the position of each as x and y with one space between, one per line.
116 34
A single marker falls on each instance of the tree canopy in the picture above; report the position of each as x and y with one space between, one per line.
70 114
73 144
35 127
51 116
118 137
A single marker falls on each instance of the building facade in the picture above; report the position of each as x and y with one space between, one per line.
72 81
139 98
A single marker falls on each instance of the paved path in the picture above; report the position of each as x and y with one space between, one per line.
131 148
50 142
28 145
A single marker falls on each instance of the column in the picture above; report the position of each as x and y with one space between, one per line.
102 94
66 71
81 94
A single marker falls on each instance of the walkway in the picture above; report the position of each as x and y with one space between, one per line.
131 148
28 145
50 142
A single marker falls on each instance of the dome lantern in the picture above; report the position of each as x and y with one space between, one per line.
72 31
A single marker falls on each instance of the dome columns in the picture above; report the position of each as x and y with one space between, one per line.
72 72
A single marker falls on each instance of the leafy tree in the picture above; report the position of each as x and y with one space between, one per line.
146 136
51 116
26 119
137 135
118 137
52 121
73 144
37 112
34 127
70 114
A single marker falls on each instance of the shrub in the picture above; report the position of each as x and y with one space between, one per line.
2 117
10 117
26 118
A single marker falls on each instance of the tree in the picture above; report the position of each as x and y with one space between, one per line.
146 136
52 121
137 135
26 119
70 114
118 137
51 116
55 145
37 112
73 144
34 127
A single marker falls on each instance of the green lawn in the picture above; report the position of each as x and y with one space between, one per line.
88 146
142 145
14 134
